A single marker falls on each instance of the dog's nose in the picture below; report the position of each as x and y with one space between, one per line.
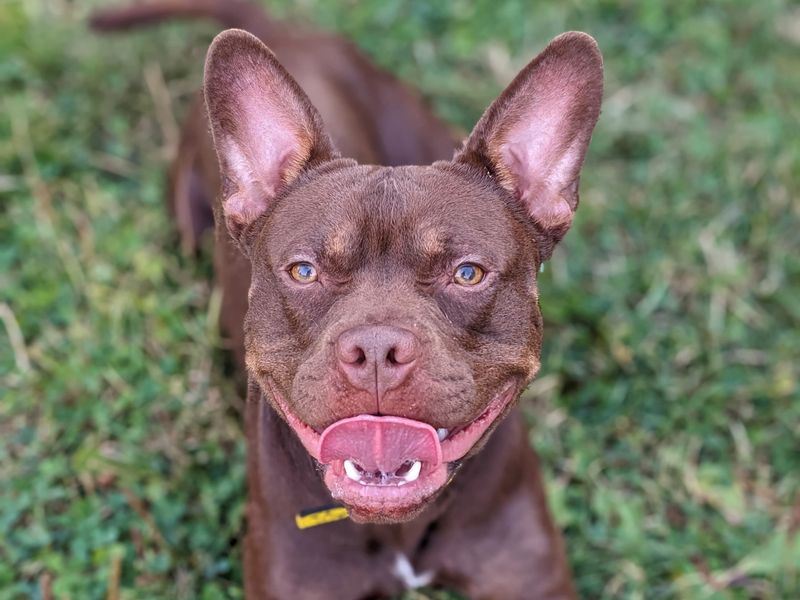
376 358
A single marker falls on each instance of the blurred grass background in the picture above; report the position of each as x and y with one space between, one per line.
667 410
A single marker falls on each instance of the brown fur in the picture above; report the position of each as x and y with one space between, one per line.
385 241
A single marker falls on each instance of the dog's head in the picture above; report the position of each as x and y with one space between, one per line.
394 315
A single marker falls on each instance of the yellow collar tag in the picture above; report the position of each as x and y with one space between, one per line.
320 516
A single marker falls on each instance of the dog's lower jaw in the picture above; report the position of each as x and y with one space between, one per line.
386 504
391 516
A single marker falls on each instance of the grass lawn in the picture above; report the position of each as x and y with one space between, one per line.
667 411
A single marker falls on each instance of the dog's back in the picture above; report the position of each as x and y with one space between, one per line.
372 116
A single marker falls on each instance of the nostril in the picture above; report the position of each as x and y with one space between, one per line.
350 352
391 358
353 355
361 357
401 353
397 357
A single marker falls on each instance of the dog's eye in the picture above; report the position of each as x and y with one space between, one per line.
468 274
303 272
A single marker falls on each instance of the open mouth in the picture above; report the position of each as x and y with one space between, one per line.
386 468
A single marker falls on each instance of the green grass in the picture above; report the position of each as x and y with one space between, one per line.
667 411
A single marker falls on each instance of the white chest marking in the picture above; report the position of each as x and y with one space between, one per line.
404 571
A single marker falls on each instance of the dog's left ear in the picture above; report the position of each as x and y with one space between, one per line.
532 140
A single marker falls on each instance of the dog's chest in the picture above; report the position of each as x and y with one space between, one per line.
410 577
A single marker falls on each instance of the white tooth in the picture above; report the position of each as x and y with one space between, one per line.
442 433
351 470
413 472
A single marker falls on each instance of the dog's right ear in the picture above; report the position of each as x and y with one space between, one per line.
266 131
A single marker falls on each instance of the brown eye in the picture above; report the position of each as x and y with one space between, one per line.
468 274
303 272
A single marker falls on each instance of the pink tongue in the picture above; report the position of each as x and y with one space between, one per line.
380 443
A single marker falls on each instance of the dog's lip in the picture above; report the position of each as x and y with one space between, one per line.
374 503
458 443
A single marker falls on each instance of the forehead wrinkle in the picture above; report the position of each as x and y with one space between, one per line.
383 205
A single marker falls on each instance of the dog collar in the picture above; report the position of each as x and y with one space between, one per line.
321 515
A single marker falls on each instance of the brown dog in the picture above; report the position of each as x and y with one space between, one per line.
393 315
